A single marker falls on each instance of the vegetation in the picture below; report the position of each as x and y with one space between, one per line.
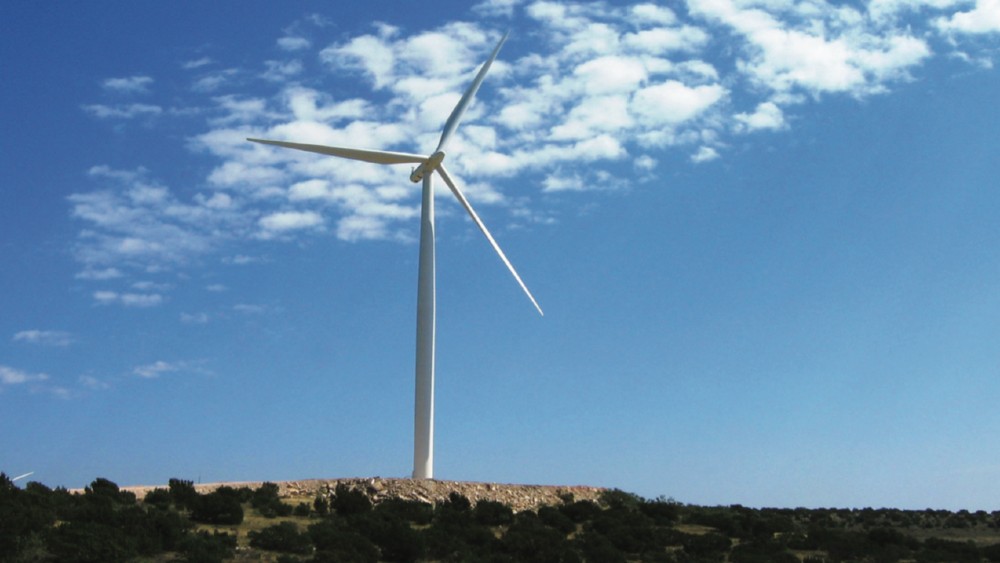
107 524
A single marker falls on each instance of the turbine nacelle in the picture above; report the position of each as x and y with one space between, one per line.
426 167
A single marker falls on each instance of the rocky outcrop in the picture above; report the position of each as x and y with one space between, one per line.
378 489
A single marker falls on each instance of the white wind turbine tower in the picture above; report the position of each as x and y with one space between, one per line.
423 432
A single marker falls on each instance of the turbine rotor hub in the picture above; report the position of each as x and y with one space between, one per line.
427 166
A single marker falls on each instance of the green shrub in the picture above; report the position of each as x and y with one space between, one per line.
492 513
335 542
321 505
284 537
182 493
412 511
347 501
218 507
267 503
159 498
207 548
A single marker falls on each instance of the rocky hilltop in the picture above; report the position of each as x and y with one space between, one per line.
518 497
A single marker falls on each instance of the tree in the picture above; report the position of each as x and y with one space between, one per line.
284 537
218 507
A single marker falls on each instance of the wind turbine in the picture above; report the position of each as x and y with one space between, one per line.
426 166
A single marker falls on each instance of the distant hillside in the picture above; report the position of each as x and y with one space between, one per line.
400 520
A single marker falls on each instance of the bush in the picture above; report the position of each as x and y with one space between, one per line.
663 511
492 513
321 505
529 539
554 518
580 511
207 548
183 493
413 511
284 537
347 501
616 498
336 542
396 539
706 545
456 503
160 498
219 508
265 500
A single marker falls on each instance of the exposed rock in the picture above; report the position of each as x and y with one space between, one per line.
378 489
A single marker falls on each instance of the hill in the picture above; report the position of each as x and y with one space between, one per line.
377 489
373 520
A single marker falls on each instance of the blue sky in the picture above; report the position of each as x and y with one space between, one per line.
763 232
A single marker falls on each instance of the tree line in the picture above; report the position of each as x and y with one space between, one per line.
106 524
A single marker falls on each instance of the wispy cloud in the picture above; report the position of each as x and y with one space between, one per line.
92 382
129 85
124 111
283 221
11 376
603 87
128 299
196 63
44 337
194 318
160 367
293 43
155 369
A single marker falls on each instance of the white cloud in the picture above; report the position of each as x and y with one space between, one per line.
611 74
106 297
605 114
672 102
645 163
366 53
129 85
560 183
196 63
654 14
44 337
155 369
210 82
242 259
249 309
127 111
136 220
819 48
495 8
289 221
194 318
704 154
92 382
279 71
11 376
604 81
766 116
100 274
664 40
293 43
983 18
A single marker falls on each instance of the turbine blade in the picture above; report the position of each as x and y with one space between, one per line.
456 114
482 227
378 157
